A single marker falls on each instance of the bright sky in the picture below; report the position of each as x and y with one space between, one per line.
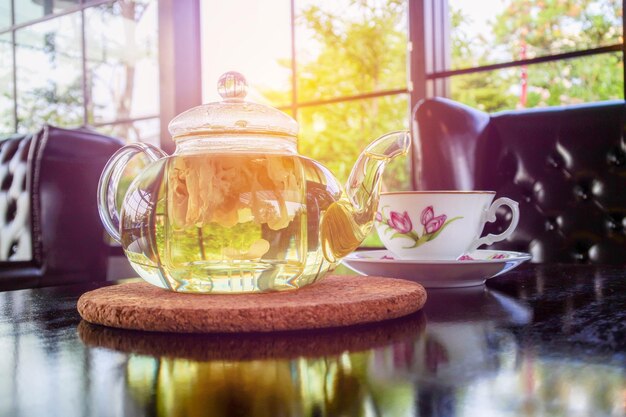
479 13
248 36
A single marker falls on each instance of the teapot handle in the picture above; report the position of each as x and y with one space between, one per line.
110 180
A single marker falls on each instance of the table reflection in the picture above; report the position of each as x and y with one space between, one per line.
409 366
470 352
350 371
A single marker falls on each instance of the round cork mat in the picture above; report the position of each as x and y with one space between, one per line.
338 300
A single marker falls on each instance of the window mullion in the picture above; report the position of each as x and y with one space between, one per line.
294 80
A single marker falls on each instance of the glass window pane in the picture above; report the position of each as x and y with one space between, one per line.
147 131
335 134
49 73
573 81
5 13
6 85
346 48
492 31
26 10
252 37
121 41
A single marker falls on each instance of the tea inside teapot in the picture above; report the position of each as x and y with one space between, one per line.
235 208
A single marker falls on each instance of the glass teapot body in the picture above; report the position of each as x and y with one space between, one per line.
227 218
235 208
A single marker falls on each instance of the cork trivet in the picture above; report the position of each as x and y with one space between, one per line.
338 300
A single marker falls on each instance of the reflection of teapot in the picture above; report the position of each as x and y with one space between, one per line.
235 208
323 372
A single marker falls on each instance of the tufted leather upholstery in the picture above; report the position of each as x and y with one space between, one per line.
15 227
566 166
50 230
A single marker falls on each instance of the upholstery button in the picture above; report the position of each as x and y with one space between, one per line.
551 223
582 190
527 194
581 193
615 223
580 257
6 182
616 157
11 211
13 248
8 150
25 146
581 252
611 225
555 160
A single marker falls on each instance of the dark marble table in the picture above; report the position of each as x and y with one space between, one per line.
539 341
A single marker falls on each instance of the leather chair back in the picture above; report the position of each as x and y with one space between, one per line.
51 231
566 166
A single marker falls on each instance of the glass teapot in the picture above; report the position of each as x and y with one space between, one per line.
235 209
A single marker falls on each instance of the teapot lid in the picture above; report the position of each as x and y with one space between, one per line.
232 115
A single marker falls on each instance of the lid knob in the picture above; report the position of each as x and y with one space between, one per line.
232 86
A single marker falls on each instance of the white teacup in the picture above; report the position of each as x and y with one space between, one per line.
439 225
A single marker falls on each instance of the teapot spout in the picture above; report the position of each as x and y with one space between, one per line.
364 182
349 221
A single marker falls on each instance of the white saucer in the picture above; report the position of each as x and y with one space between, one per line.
484 264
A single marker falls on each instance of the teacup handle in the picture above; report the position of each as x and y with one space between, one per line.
490 216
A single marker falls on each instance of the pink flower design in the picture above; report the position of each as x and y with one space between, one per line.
379 216
499 256
388 257
465 258
435 224
400 222
427 215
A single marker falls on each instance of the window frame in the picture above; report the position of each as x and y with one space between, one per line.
180 85
80 7
429 22
429 37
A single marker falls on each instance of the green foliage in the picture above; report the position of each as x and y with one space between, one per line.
361 48
543 27
53 106
553 26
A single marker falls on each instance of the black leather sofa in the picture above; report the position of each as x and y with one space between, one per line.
566 166
50 229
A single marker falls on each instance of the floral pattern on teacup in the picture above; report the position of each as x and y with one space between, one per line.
402 226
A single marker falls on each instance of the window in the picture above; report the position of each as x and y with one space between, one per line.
530 53
338 67
76 63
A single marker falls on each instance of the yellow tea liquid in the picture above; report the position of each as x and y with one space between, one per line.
228 222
